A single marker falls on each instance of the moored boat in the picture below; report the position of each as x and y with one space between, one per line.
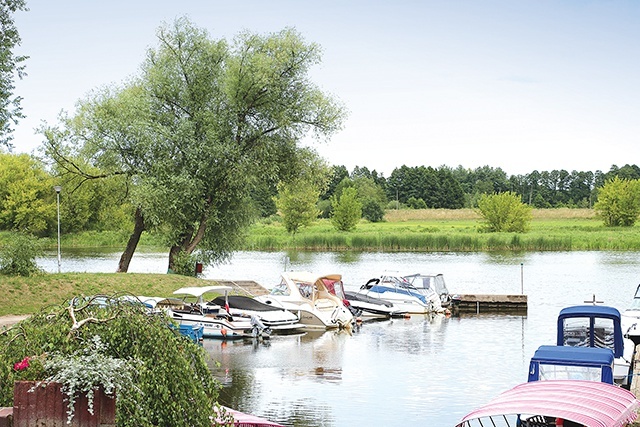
598 326
404 296
567 403
307 295
217 324
631 318
278 319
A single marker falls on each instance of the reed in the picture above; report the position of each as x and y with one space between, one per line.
447 230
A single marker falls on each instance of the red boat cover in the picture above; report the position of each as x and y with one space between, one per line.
592 404
240 419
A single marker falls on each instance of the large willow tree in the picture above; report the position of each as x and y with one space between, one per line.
203 122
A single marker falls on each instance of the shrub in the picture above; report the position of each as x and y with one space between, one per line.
18 256
372 211
347 210
504 212
414 203
619 202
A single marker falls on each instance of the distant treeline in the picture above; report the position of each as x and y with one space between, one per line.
28 201
453 188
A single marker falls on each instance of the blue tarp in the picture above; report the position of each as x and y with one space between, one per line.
600 358
593 312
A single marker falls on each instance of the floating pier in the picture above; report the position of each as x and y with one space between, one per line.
489 304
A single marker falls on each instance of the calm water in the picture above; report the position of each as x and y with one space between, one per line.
426 370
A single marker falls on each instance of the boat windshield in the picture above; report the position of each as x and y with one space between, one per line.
563 372
635 303
577 332
306 289
335 287
428 284
281 289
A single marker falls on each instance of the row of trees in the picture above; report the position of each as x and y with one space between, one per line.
27 199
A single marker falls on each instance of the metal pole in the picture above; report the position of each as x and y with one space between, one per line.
521 278
58 189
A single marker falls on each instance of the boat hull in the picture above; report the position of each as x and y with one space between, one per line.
215 327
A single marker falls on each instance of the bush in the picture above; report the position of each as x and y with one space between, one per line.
372 211
414 203
347 210
18 256
324 207
619 202
504 212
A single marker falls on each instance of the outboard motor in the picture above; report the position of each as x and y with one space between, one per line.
259 330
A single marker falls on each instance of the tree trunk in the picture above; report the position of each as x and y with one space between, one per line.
188 244
138 228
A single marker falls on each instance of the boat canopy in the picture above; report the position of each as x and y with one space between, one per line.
198 291
591 326
551 362
591 404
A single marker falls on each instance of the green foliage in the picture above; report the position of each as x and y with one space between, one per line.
324 207
372 210
203 123
504 212
296 202
172 385
85 370
347 210
414 203
18 256
619 202
185 264
27 198
10 66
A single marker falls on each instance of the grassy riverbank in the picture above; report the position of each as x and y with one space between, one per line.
408 230
451 230
26 295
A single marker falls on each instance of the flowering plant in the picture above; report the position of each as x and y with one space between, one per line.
22 365
29 368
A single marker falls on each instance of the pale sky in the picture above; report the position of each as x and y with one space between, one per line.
518 84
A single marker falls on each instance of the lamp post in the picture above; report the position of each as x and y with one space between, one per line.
58 189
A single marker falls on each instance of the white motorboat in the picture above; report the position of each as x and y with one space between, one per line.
631 319
363 306
307 295
216 323
277 319
404 296
426 283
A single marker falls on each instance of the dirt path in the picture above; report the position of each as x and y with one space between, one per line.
11 319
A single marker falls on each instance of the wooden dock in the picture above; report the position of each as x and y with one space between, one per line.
489 304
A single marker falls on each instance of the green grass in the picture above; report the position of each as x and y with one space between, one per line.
408 230
442 230
25 295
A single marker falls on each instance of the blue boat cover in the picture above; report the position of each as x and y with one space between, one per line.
592 312
601 358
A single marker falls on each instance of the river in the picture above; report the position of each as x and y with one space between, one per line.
426 370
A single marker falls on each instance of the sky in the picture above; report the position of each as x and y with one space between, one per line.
520 85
